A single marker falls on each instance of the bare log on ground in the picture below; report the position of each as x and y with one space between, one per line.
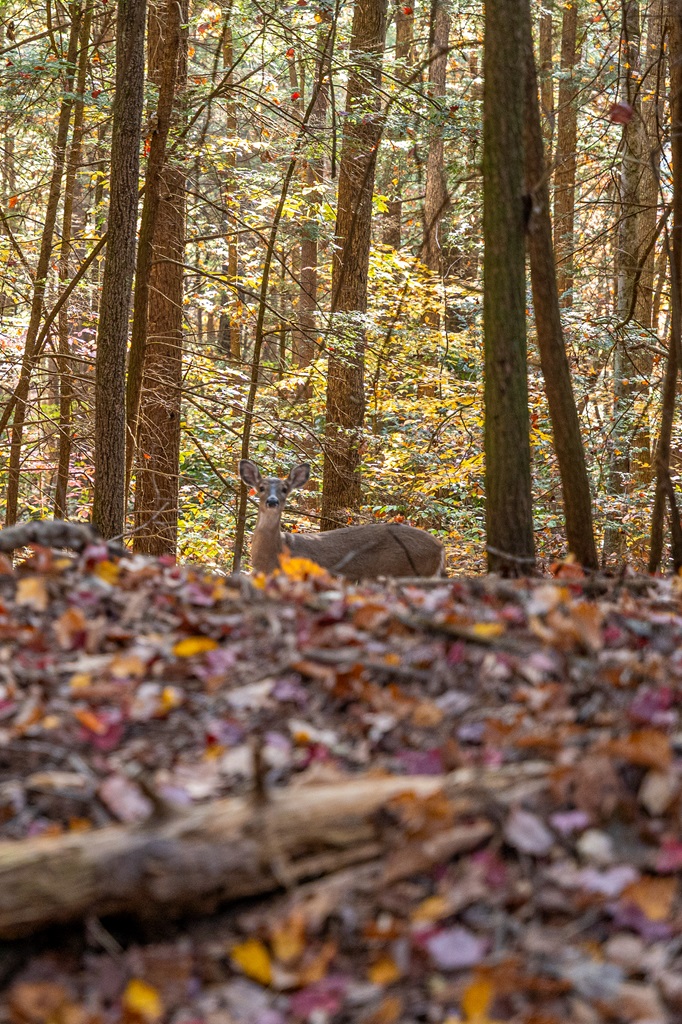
233 848
53 533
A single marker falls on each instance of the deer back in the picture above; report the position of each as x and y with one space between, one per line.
365 552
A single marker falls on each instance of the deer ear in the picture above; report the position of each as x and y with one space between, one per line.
299 475
248 471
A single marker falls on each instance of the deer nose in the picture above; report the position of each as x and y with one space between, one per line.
272 501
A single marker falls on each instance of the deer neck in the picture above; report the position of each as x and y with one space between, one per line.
266 543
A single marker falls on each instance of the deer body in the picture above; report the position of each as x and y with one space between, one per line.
358 552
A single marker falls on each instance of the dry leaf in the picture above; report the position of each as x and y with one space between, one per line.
384 971
193 645
32 593
254 960
288 937
141 1002
654 896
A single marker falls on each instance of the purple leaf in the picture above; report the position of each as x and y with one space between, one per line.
455 948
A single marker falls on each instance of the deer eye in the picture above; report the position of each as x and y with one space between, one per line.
261 488
284 490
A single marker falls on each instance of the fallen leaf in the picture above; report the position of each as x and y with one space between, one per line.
654 896
32 593
142 1002
193 645
254 960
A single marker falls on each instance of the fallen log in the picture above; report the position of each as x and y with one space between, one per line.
235 848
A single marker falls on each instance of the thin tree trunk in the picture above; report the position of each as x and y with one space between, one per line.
626 268
42 270
231 196
567 134
110 390
546 83
391 233
509 513
674 361
345 408
555 368
164 46
305 336
436 198
65 368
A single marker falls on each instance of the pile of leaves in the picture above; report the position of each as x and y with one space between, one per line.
549 708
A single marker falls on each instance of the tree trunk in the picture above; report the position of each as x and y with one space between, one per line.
163 47
555 368
626 268
157 474
391 231
65 368
546 83
509 514
674 361
345 408
567 133
110 381
41 273
304 340
436 198
231 196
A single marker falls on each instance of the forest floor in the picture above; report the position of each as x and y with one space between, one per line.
497 767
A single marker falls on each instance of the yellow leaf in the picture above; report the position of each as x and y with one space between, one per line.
433 908
123 666
476 999
384 972
142 1001
170 698
653 896
300 568
32 593
80 680
288 937
107 571
254 960
487 629
192 645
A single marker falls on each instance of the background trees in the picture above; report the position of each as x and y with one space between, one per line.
397 376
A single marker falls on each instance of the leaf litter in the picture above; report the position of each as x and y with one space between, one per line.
128 681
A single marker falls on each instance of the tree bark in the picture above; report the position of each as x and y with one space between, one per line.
345 406
305 336
164 47
567 134
65 368
509 514
231 197
436 197
555 368
391 231
620 439
674 360
230 849
110 391
546 83
41 273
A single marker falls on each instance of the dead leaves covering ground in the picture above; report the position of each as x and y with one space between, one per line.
123 679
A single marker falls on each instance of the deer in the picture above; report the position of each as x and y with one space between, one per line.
357 552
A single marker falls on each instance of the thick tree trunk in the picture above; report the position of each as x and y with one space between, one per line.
345 408
164 47
626 269
567 134
110 391
41 273
436 198
556 371
65 368
509 513
157 474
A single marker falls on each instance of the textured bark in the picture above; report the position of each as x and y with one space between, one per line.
391 229
568 443
546 35
305 336
653 89
164 48
345 407
65 368
626 269
509 517
41 273
158 443
674 361
436 198
564 176
110 393
233 339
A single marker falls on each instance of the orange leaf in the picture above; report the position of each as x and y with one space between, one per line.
648 748
288 937
654 896
32 593
90 721
384 971
13 200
